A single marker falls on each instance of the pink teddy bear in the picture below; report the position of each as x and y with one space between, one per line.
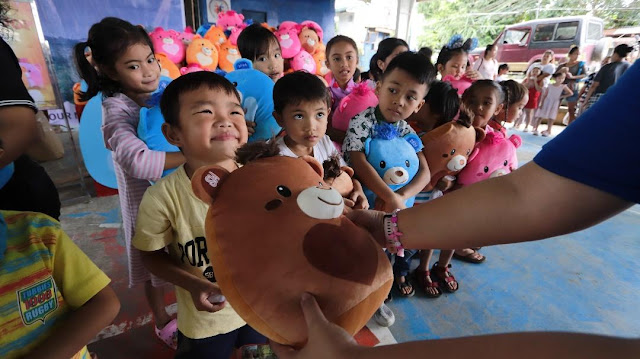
229 20
289 41
496 156
303 61
168 42
361 98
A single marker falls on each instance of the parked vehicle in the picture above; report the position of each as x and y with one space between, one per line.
521 44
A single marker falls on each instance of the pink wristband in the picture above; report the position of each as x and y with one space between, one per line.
392 234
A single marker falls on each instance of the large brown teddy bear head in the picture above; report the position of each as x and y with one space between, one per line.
274 231
447 148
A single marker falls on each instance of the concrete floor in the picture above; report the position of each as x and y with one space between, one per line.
584 282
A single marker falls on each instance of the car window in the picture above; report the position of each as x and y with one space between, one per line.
516 36
594 31
567 30
544 32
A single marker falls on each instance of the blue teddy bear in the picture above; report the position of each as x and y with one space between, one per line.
256 90
393 157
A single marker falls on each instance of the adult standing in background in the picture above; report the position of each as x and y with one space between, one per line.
608 74
26 185
575 71
487 66
548 67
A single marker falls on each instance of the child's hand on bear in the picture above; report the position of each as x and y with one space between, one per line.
357 199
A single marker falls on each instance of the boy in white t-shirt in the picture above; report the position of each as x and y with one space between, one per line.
203 117
301 105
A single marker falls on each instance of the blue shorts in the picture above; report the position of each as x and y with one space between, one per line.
219 346
574 97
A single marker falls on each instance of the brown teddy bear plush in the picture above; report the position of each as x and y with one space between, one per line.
274 231
447 149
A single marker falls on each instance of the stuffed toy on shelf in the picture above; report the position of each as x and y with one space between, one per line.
167 67
310 36
216 36
203 53
228 56
168 42
297 241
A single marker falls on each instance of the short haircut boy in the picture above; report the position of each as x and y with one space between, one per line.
298 87
422 71
170 101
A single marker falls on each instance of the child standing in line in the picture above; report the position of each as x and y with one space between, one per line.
388 49
550 102
515 98
441 105
534 85
205 120
261 46
503 73
401 92
452 63
54 298
342 60
128 74
301 106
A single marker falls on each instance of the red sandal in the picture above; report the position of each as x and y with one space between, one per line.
426 282
444 277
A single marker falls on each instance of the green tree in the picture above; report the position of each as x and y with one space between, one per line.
485 19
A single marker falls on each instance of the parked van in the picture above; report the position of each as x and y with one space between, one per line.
521 44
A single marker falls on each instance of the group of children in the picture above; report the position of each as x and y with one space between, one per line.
164 223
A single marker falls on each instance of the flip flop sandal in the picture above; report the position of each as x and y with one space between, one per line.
403 285
468 258
169 334
444 277
426 282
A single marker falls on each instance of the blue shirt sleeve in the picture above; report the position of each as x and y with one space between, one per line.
599 148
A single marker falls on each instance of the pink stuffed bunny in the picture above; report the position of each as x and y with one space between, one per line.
496 156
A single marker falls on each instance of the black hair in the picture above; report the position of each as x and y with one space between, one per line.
426 52
108 40
557 74
622 50
340 38
443 100
446 53
297 87
487 49
503 67
484 84
412 63
255 41
5 7
385 48
357 75
573 49
170 101
513 92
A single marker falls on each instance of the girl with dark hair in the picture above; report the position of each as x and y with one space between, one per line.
487 66
261 46
126 72
388 49
453 61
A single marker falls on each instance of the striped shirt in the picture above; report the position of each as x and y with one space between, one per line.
135 165
43 275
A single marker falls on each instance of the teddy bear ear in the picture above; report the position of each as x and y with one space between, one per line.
480 134
314 164
206 182
348 170
516 140
414 141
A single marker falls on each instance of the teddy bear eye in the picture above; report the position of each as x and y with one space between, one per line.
486 169
407 163
468 152
383 164
283 191
235 84
506 162
445 155
453 151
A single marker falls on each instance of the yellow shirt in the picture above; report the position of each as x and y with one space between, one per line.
170 215
43 276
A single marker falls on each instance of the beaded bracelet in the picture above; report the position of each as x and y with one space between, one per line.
392 234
